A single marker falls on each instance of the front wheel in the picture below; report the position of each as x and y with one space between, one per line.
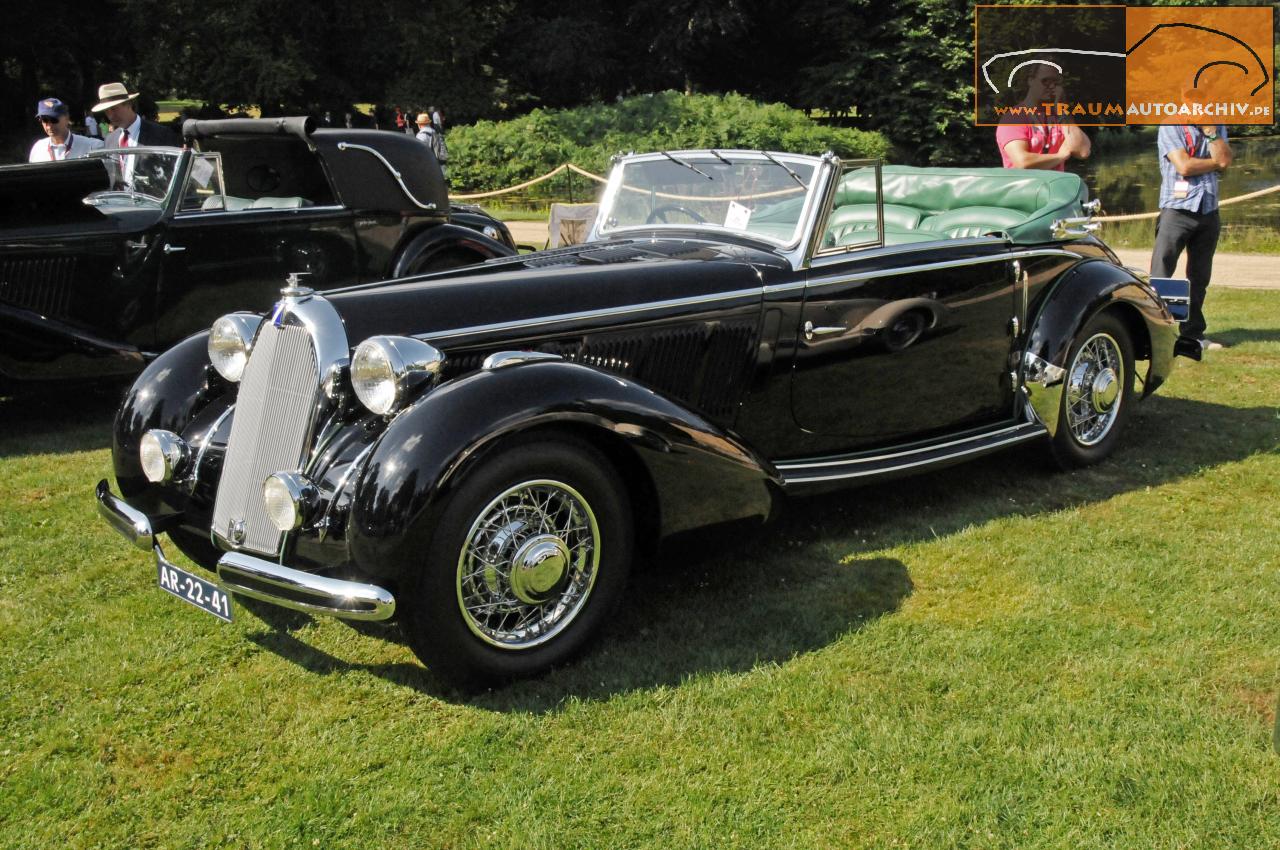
1097 395
528 559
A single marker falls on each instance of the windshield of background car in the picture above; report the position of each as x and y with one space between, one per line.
142 177
735 191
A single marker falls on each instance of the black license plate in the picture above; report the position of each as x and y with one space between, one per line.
205 595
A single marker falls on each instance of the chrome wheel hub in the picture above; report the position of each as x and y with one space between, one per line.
538 568
1095 387
1105 390
528 564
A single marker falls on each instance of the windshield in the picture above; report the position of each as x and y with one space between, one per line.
748 192
140 177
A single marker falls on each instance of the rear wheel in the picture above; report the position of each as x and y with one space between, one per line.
528 559
1097 394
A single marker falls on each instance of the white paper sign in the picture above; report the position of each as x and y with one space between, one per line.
737 217
201 171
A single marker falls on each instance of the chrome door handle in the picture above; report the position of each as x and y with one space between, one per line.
810 331
173 249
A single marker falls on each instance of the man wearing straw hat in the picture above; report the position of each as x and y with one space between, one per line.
128 128
434 139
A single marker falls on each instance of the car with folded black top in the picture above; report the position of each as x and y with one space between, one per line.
108 260
483 454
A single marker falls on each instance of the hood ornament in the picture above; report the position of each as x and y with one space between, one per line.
294 287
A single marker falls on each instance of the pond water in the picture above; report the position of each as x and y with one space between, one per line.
1128 181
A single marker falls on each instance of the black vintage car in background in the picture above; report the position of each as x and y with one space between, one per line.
108 260
482 453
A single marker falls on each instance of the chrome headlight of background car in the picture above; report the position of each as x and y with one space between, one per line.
387 369
230 340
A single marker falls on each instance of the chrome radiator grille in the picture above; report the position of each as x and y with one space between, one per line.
272 427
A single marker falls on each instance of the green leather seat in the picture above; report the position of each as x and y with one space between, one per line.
954 203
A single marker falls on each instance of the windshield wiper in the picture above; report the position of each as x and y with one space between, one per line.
687 165
794 176
717 155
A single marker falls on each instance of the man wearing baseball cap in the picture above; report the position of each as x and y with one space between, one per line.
59 142
128 128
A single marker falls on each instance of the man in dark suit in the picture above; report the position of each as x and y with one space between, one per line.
128 128
131 130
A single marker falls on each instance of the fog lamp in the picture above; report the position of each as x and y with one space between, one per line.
290 499
163 455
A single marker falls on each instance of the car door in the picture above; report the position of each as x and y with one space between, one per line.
224 254
899 343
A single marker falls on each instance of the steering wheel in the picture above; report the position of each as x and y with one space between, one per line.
660 214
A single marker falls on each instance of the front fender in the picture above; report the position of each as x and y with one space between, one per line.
697 473
168 394
1064 308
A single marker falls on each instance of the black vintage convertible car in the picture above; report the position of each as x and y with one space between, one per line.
482 453
108 260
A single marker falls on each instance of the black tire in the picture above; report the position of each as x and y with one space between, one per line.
463 619
1090 418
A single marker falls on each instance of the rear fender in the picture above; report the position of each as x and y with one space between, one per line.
698 473
439 239
1063 310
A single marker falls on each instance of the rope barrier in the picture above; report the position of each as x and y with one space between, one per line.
569 166
1141 216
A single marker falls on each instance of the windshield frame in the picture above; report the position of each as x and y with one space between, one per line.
110 159
813 193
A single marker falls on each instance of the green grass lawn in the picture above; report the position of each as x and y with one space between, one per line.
993 656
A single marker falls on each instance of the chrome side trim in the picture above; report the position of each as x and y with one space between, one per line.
346 146
1043 384
132 523
602 313
290 588
500 359
946 264
188 216
797 472
737 294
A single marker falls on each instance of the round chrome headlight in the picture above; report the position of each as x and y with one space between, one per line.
163 455
386 369
230 340
289 499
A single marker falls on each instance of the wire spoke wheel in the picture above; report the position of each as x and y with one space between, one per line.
528 564
1095 389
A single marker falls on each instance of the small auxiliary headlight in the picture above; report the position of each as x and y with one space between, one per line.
290 499
230 340
386 369
163 455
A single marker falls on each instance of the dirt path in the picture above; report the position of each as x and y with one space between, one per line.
1243 271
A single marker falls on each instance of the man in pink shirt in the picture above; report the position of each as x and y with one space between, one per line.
1037 140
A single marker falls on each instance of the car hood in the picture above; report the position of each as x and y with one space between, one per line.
533 295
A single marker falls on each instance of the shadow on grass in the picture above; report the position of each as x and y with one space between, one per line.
1239 336
71 419
727 605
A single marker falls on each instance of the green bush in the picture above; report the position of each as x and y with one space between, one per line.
493 155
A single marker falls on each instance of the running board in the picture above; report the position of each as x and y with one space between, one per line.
798 473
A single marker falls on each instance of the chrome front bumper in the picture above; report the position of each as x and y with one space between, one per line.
246 575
